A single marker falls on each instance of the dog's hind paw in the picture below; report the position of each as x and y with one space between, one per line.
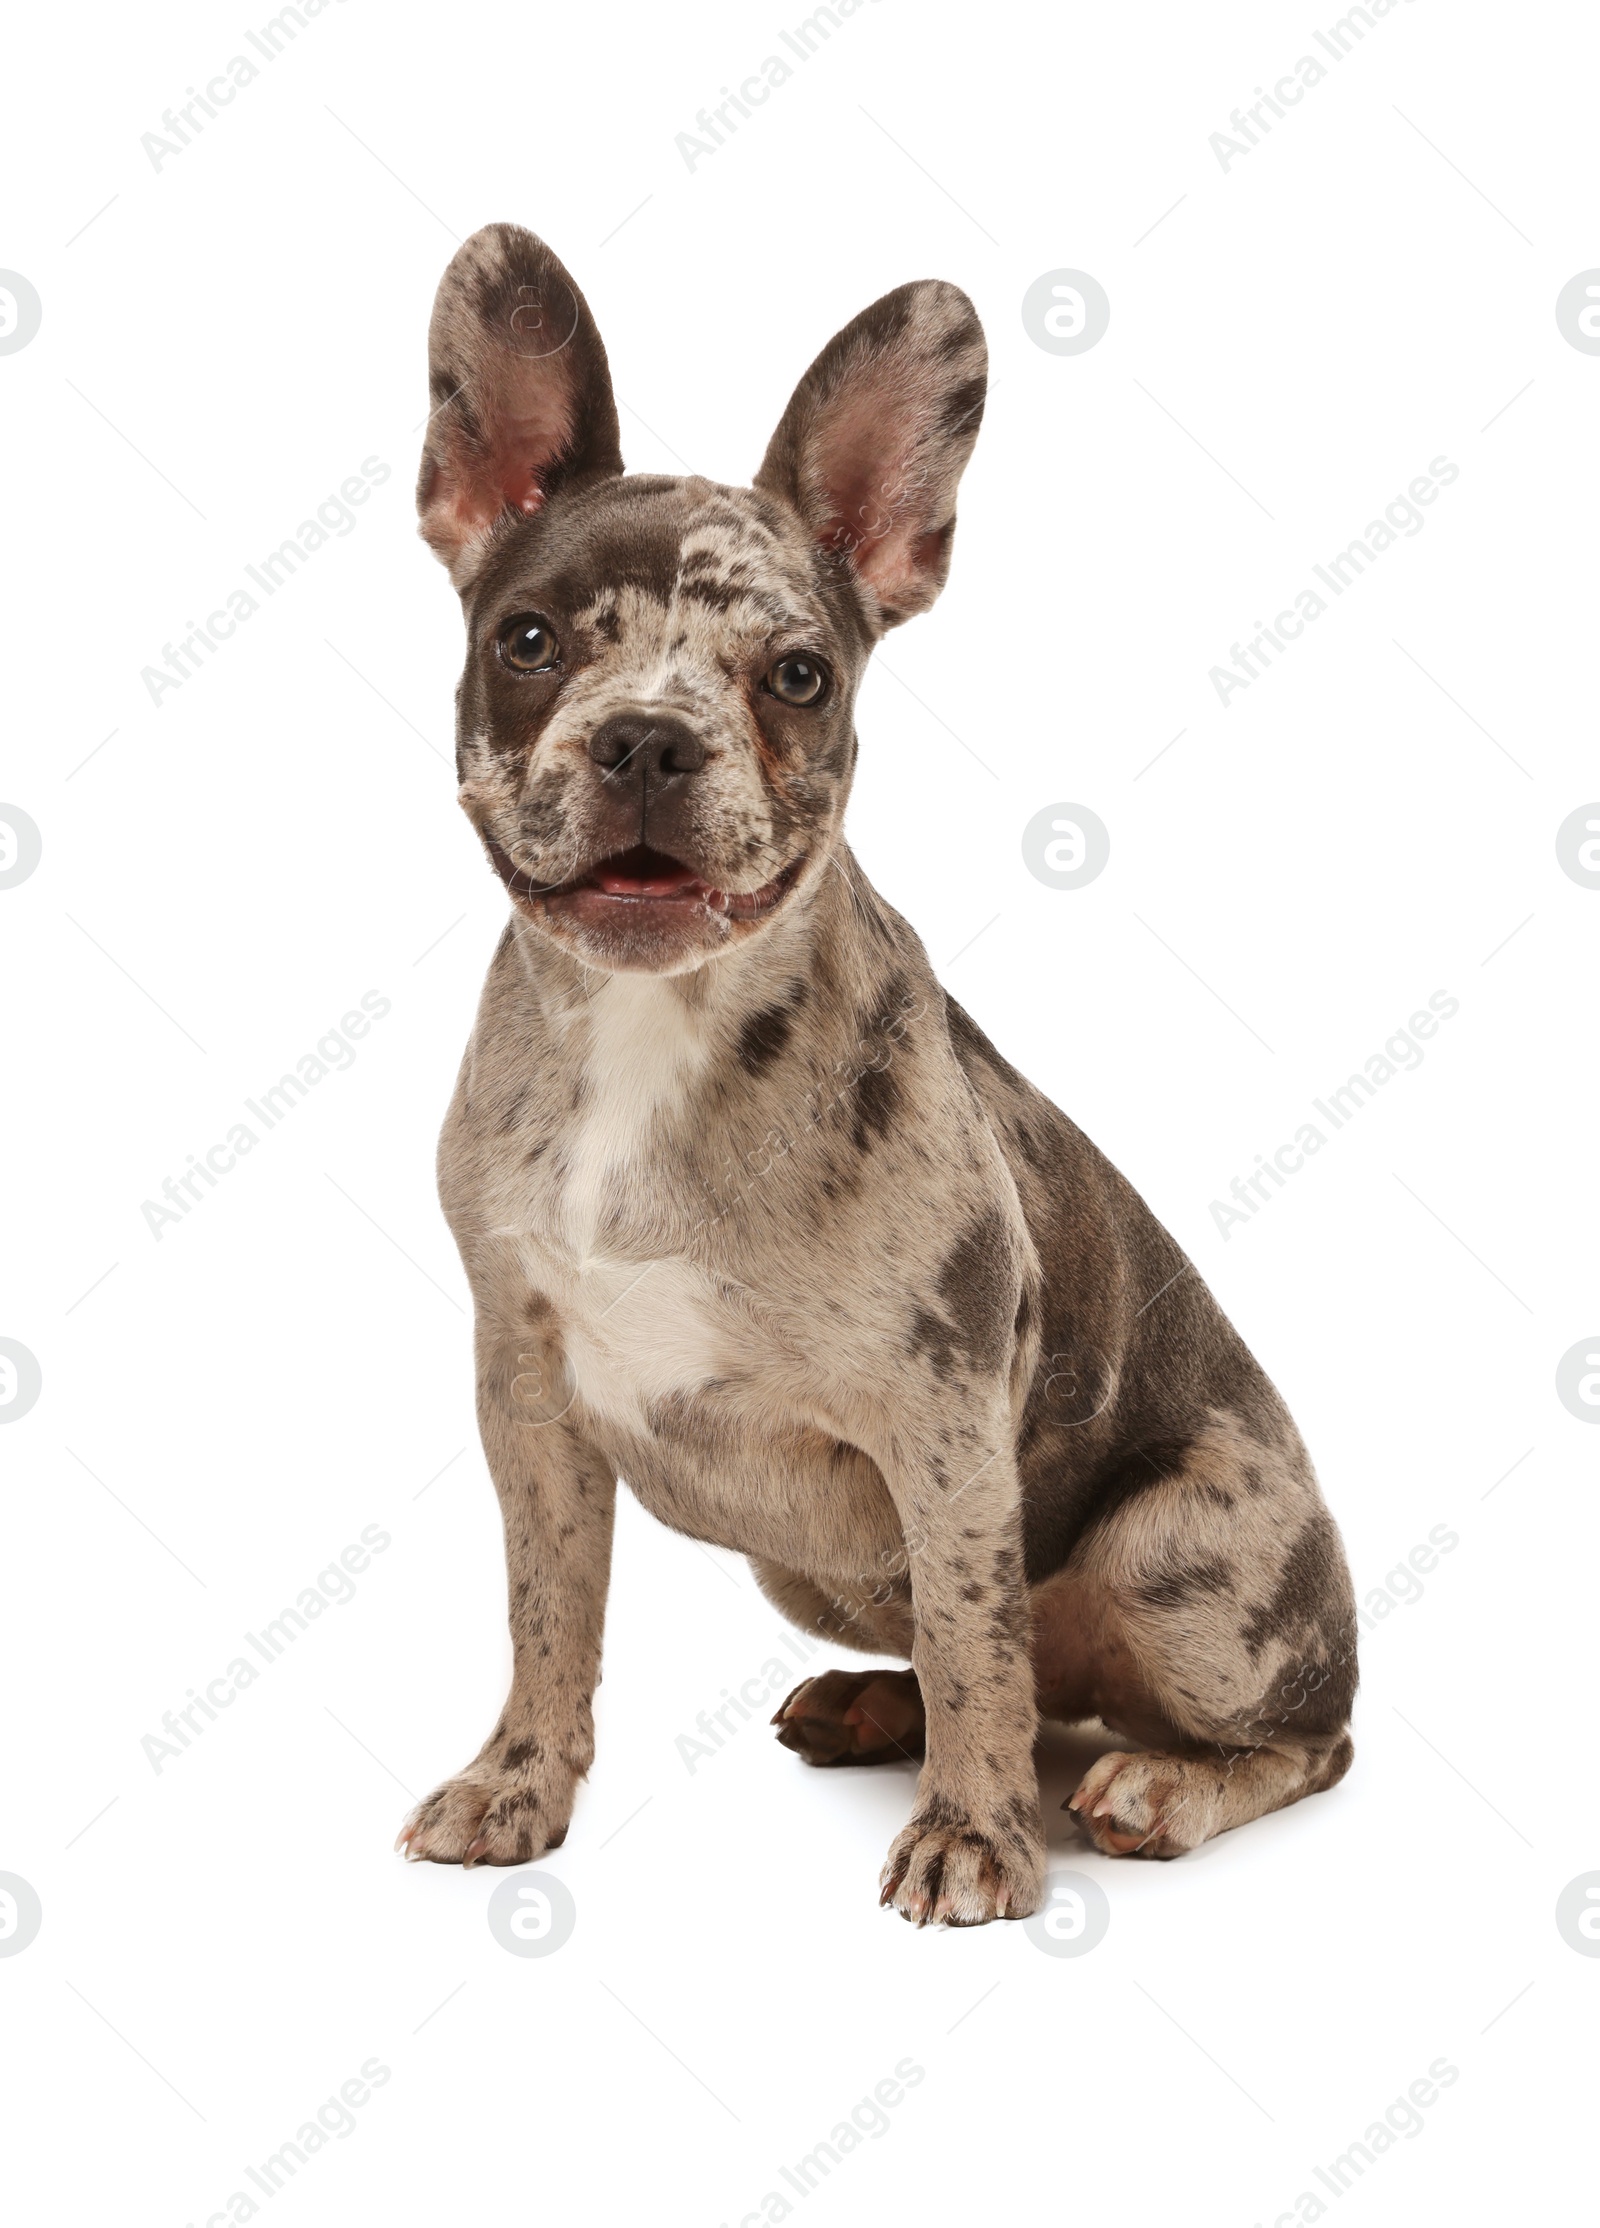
1148 1806
854 1717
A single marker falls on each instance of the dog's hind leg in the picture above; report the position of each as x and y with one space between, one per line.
1165 1804
1220 1631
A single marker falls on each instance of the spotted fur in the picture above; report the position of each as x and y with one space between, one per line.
756 1218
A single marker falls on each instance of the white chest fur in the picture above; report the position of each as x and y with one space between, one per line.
642 1054
640 1322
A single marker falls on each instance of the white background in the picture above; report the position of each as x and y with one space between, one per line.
1290 345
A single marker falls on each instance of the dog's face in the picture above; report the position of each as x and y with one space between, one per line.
655 730
655 718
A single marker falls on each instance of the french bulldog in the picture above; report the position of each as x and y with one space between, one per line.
756 1217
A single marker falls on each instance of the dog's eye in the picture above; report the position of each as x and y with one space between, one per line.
797 680
528 645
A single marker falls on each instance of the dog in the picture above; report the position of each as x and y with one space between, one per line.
754 1215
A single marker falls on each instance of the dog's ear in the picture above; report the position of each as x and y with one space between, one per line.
520 391
876 437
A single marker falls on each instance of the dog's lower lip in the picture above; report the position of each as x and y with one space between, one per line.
645 877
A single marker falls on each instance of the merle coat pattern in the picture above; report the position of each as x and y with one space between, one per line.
756 1217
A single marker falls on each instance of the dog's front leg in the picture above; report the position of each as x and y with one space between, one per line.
974 1849
558 1498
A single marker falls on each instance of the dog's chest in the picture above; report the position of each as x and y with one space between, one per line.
603 1213
639 1058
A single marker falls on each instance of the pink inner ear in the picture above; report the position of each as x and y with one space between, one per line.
526 447
523 445
876 508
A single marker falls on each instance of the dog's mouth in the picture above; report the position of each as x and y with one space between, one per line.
646 878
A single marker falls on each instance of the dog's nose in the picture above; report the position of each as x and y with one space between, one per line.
640 744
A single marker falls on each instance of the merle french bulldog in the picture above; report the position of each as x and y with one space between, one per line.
757 1218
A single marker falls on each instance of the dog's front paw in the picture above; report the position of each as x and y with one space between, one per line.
950 1869
491 1815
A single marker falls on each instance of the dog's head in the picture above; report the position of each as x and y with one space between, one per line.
655 733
